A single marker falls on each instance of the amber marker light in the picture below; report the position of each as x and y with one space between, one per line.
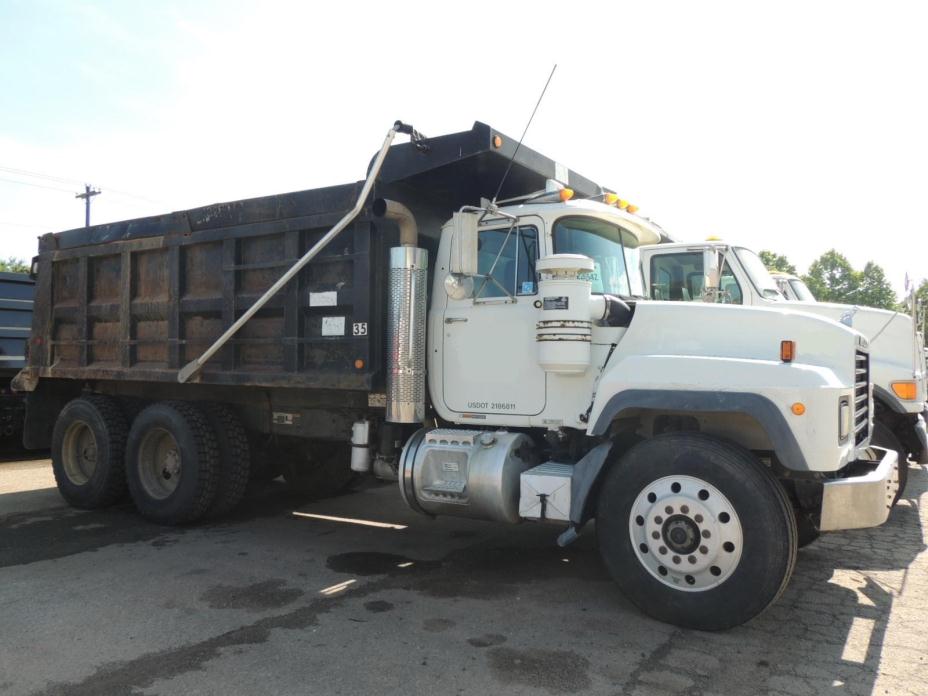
611 198
566 194
905 390
497 142
622 204
798 408
632 208
359 364
787 351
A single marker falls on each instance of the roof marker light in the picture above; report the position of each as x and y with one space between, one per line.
622 204
632 209
610 198
566 194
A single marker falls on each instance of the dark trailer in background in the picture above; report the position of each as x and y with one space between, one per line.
16 299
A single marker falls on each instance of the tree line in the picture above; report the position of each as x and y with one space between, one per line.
832 278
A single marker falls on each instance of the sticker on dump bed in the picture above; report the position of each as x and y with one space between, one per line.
333 326
556 302
323 299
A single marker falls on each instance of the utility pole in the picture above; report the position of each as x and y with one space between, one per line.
87 195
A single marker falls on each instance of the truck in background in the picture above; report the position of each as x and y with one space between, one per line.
792 287
717 272
529 381
16 297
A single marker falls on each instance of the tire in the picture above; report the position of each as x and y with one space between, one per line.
884 437
88 450
319 472
705 487
234 459
172 463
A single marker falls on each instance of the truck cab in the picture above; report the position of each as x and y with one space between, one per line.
719 273
792 287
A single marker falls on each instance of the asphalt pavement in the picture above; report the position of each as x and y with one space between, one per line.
358 595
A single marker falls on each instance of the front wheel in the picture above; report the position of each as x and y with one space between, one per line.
695 531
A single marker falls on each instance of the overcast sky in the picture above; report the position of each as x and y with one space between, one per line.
795 127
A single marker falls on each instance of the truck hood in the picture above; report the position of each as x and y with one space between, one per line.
891 335
732 331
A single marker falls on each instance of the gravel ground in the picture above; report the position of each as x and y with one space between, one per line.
279 599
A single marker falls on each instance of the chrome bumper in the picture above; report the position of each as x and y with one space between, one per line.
863 500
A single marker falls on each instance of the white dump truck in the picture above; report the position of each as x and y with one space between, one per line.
716 272
529 381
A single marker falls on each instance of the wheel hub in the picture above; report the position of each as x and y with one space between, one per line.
686 533
681 534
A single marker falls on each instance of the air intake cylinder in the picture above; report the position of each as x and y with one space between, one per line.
406 342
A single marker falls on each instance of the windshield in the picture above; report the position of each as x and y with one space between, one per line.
614 251
757 272
803 294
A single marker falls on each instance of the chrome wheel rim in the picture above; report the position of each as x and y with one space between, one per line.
79 453
159 463
686 533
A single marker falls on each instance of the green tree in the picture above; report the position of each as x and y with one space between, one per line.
831 278
874 289
13 265
776 262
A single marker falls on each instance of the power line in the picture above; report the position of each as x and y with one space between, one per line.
42 186
65 180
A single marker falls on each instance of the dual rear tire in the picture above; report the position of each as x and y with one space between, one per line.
179 461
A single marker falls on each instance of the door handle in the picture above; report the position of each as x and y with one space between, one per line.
454 320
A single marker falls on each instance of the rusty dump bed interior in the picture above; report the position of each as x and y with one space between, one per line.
136 300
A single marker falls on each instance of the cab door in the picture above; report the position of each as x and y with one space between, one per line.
489 364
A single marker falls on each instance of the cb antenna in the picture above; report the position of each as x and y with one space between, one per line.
516 151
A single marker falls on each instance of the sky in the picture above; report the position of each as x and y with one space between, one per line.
790 126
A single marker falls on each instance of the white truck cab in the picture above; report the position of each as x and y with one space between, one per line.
792 287
717 272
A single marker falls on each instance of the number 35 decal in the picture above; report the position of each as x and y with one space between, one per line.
359 328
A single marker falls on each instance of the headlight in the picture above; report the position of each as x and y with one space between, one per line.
844 419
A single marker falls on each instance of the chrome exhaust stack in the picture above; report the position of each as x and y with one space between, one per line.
406 315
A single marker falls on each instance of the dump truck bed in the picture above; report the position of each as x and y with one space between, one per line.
138 299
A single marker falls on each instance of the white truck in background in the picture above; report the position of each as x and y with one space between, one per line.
792 287
716 272
532 381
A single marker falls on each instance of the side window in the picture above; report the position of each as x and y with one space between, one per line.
728 285
514 258
677 276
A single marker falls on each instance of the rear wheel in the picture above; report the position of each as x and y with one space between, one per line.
172 463
234 458
884 437
88 446
695 531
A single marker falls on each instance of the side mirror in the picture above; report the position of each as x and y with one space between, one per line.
464 244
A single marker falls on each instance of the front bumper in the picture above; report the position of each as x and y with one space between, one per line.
863 499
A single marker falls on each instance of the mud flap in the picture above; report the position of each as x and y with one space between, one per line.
585 475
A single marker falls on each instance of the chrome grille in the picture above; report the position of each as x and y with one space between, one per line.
861 396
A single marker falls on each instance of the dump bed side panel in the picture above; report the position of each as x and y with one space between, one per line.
138 307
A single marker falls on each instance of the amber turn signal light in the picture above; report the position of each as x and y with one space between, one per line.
787 351
905 390
798 408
